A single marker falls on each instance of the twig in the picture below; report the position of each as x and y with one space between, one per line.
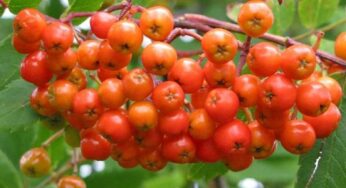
60 172
182 32
319 36
95 78
243 54
189 53
126 9
52 138
248 114
187 19
3 4
73 15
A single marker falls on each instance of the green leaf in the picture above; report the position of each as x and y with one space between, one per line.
331 165
17 5
82 6
9 62
283 15
206 171
9 176
17 143
15 111
313 13
169 180
326 45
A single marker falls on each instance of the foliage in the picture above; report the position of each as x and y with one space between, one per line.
20 127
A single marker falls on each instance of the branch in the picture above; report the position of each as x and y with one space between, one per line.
194 21
189 53
182 32
243 54
52 138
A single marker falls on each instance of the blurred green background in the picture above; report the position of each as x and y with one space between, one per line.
291 19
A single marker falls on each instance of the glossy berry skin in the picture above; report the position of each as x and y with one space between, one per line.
124 151
220 75
143 115
29 25
201 126
128 164
156 22
277 92
206 151
219 45
168 96
35 162
115 126
125 37
333 87
198 98
325 123
159 57
320 95
71 182
34 68
61 95
103 74
39 101
62 63
298 137
188 74
298 61
247 88
271 119
173 123
238 162
152 161
149 140
101 22
57 37
87 105
255 18
263 59
76 77
110 59
180 149
88 54
94 146
137 84
24 47
238 138
111 93
340 45
221 105
262 141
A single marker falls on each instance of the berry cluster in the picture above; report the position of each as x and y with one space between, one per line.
143 116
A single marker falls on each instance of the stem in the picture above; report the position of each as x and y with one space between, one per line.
3 4
182 32
187 20
294 113
73 15
188 105
319 36
94 77
75 158
61 171
218 182
126 9
52 138
116 7
189 53
243 54
324 29
248 114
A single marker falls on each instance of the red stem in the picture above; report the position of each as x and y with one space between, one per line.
243 54
182 32
213 23
189 53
